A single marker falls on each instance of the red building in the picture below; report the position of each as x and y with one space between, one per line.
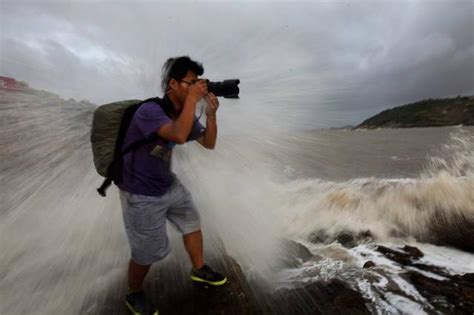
7 83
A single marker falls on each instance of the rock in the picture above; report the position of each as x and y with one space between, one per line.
434 269
455 295
413 251
318 237
395 255
465 283
333 297
368 264
347 240
168 284
293 254
404 256
457 231
365 235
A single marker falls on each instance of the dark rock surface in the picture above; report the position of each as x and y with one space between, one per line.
233 298
333 297
455 295
446 293
368 264
293 254
403 256
347 239
170 287
460 233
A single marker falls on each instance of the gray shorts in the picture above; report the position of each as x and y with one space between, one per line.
145 221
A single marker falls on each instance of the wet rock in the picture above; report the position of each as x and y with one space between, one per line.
448 294
332 297
346 239
465 283
169 286
368 264
365 235
433 269
404 256
414 252
455 295
457 231
318 237
293 254
350 240
398 256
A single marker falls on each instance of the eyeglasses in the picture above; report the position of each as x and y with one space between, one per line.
190 83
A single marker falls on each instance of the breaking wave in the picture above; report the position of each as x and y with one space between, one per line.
436 207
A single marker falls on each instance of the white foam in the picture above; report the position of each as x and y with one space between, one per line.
405 305
454 260
408 288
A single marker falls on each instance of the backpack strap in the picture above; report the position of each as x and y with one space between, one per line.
114 173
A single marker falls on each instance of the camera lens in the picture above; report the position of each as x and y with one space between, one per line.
226 88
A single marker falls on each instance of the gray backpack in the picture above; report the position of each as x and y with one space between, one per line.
109 127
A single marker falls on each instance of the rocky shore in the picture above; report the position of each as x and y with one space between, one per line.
169 286
445 292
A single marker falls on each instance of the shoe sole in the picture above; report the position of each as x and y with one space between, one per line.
136 313
217 283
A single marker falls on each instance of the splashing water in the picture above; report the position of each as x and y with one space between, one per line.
60 241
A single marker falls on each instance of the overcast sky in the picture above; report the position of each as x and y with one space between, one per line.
316 63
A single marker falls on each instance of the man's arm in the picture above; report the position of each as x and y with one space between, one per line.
178 130
208 140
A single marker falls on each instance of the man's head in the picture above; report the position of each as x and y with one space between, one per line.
178 74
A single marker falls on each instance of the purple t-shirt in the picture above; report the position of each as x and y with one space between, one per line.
147 169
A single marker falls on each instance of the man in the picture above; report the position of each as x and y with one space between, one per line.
150 193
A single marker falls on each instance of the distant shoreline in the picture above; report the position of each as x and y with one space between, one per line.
458 111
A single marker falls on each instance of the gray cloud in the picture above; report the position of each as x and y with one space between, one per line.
316 64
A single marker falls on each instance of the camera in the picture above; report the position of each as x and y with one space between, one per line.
226 88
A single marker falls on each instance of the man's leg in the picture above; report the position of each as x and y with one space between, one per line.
136 275
145 223
186 218
136 300
194 247
201 273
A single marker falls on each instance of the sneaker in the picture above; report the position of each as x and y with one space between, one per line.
207 275
138 304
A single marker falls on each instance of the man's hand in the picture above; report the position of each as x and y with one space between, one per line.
212 105
198 90
208 140
178 130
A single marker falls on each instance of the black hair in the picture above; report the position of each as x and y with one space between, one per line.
177 68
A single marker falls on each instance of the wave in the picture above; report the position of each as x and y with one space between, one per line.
436 207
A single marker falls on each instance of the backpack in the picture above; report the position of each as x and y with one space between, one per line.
109 127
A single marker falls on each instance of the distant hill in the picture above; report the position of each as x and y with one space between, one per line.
426 113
